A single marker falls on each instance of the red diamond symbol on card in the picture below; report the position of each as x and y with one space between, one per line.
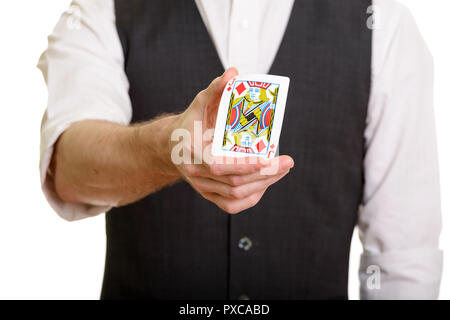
260 146
272 146
240 88
229 88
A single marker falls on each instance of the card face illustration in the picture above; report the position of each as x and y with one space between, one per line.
250 116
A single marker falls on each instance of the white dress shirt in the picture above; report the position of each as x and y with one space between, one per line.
399 220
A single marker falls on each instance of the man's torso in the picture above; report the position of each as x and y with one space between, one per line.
174 244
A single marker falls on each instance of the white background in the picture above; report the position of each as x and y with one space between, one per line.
44 257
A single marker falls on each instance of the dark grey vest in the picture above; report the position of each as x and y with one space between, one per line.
174 244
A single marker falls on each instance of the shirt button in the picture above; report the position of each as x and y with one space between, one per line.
244 24
243 297
245 244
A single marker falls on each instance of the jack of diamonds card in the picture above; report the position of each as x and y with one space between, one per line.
250 116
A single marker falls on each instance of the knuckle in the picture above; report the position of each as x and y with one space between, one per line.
235 181
253 200
229 208
215 169
206 196
226 208
252 169
200 97
235 192
232 210
191 170
198 185
270 181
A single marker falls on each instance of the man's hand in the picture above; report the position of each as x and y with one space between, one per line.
233 185
102 163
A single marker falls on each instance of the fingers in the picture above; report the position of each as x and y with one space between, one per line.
246 166
280 167
238 180
241 173
235 167
238 186
226 166
234 199
209 99
234 206
206 185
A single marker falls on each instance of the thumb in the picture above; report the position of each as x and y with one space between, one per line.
216 87
212 96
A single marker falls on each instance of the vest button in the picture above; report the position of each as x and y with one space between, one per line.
245 244
243 297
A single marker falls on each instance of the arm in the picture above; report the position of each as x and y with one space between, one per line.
97 159
103 163
400 221
100 163
83 70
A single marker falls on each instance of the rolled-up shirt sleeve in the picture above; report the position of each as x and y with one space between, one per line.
83 69
400 220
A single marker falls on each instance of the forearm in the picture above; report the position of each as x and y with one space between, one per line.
102 163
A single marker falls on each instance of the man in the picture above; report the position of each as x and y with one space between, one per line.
358 124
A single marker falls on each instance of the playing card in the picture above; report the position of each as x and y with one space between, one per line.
250 116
